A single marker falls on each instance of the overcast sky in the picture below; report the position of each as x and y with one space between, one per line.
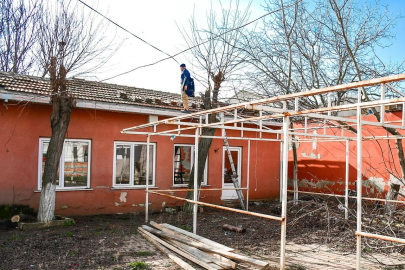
156 22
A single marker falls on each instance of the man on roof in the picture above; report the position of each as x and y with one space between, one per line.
185 79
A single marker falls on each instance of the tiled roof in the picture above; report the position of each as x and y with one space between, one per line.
96 91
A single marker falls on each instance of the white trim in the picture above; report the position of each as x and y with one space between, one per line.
205 182
69 189
134 187
131 166
239 170
61 185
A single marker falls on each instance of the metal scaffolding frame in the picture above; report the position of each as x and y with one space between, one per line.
269 109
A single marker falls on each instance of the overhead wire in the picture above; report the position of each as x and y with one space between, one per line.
199 44
119 26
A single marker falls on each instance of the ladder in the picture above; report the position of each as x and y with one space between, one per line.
234 174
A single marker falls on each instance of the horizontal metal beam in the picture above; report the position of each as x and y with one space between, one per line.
381 237
312 92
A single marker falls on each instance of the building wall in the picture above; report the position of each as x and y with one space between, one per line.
321 165
21 127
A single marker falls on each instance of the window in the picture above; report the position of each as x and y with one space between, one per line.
74 164
130 164
183 163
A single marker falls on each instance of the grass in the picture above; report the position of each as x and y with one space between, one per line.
185 227
144 253
68 223
69 234
138 265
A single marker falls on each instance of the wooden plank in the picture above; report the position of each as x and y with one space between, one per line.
174 230
202 246
226 260
170 254
178 251
200 254
195 237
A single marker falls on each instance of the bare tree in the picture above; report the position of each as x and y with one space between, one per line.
71 42
214 62
19 22
342 10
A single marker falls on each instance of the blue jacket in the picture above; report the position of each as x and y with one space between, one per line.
185 78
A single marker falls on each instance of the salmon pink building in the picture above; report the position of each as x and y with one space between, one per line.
104 171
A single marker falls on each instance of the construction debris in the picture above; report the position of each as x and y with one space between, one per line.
177 243
233 228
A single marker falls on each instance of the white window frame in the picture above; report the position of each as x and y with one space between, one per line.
204 183
61 185
131 167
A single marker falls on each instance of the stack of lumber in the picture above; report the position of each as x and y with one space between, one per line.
179 244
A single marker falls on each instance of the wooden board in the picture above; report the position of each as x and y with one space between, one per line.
202 246
197 237
170 254
178 251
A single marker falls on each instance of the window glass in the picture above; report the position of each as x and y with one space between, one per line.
140 164
228 168
122 168
182 164
45 146
75 164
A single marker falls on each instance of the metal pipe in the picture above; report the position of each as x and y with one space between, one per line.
359 185
200 189
381 237
312 92
351 197
248 178
382 107
286 125
347 181
147 180
220 207
195 197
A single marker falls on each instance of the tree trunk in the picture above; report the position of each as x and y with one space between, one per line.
391 195
203 149
62 104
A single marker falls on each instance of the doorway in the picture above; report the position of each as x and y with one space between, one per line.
236 153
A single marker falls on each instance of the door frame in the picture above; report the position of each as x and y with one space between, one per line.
231 194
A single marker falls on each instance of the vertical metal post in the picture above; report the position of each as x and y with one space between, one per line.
222 117
359 185
329 102
281 171
403 114
296 104
206 118
200 129
286 126
235 117
347 181
195 197
261 123
248 178
382 107
306 124
178 127
147 180
241 132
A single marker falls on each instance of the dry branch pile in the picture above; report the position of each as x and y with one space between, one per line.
177 243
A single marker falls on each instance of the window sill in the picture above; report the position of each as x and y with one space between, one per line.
68 189
141 187
184 186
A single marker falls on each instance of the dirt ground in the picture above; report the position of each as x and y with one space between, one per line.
112 241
